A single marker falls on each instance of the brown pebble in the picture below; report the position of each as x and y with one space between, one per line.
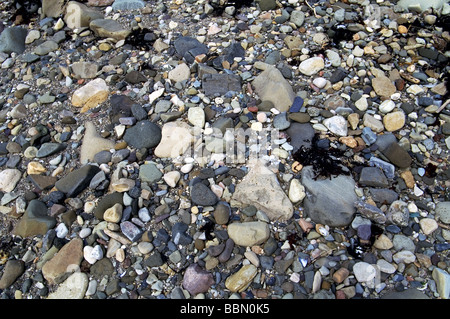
340 275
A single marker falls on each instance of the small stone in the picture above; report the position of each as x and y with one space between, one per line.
340 275
144 134
428 225
404 256
383 242
442 279
113 214
221 214
196 116
11 271
108 28
197 280
73 287
311 66
240 280
248 233
180 73
9 178
443 212
172 178
394 121
364 272
202 195
337 125
90 95
383 86
296 191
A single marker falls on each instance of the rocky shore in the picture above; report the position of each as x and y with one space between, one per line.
180 149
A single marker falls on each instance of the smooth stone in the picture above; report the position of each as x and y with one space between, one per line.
221 214
428 225
9 178
270 85
35 221
404 256
180 73
373 176
78 15
398 213
64 263
149 173
109 28
131 231
188 48
202 195
311 66
394 121
280 121
127 5
296 191
443 212
196 116
48 149
397 155
76 181
364 272
220 84
248 233
410 293
383 86
240 280
84 70
11 271
372 123
197 280
337 125
297 17
172 178
144 134
113 214
260 188
73 287
442 279
402 242
90 95
383 242
12 39
337 192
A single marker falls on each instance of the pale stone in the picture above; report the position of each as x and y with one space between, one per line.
428 225
394 121
113 214
296 191
172 178
311 66
196 116
386 106
79 15
404 256
383 86
240 280
176 138
90 95
180 73
248 233
337 125
374 124
73 288
362 104
35 168
383 242
260 187
271 86
9 179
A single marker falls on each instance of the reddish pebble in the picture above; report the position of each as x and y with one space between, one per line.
253 109
340 294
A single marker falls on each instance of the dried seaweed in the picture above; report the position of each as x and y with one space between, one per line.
141 39
325 161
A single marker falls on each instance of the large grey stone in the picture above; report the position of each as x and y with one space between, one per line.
260 188
79 15
271 86
76 181
128 5
73 288
188 48
143 134
329 201
12 39
108 28
249 233
219 84
35 221
197 280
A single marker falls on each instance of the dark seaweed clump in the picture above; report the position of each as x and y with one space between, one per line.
326 161
25 10
141 39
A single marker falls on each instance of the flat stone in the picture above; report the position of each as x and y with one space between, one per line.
373 176
52 8
220 84
12 39
383 242
248 233
84 70
270 85
46 47
188 48
48 149
260 188
337 192
9 178
404 256
296 191
428 225
202 195
364 272
311 66
397 155
149 173
372 123
64 263
90 95
443 212
442 279
172 178
79 15
337 125
383 86
197 280
73 287
108 28
221 214
144 134
76 181
240 280
35 220
394 121
410 293
11 271
196 116
176 138
128 4
180 73
131 231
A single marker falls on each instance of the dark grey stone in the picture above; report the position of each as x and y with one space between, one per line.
48 149
130 230
219 84
373 176
301 135
12 39
144 134
189 48
76 181
202 195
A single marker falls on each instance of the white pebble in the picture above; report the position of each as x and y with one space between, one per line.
61 230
